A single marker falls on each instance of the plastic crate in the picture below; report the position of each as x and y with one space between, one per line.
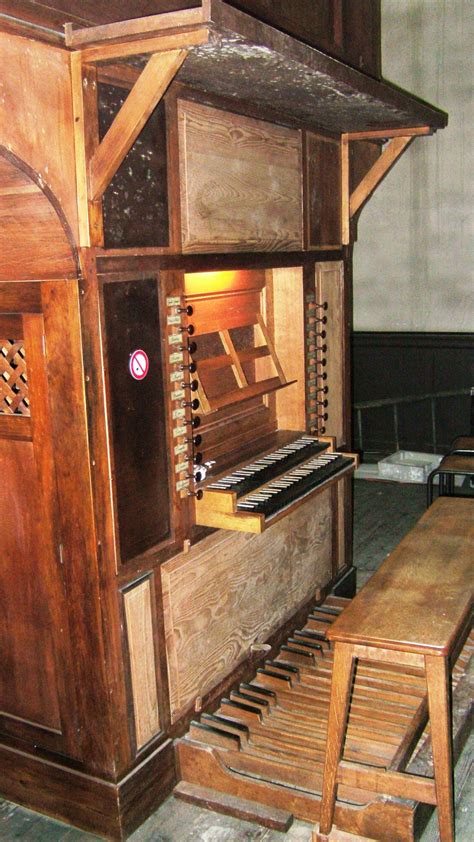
408 466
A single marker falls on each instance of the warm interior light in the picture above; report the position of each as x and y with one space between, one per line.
197 283
223 282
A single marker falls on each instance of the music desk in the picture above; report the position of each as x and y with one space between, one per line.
415 611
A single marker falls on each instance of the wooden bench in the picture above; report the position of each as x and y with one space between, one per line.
415 611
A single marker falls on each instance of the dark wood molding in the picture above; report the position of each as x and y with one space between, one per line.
107 808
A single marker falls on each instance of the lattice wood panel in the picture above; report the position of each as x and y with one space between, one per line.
13 378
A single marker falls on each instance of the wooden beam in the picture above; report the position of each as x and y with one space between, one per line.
131 118
345 188
156 44
389 133
397 784
86 139
377 172
122 75
134 28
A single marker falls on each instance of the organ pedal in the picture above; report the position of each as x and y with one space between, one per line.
265 743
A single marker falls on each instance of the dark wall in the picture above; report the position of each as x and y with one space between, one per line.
392 366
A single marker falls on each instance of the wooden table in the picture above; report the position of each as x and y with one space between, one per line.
415 611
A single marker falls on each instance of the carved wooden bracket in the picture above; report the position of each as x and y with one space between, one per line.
352 203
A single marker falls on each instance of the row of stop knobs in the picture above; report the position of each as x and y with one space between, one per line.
315 337
190 368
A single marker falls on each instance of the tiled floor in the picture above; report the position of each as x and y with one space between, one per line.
383 514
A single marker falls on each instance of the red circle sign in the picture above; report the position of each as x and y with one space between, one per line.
139 364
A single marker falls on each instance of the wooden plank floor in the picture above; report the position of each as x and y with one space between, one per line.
384 513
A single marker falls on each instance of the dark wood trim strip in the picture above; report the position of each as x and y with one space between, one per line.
415 339
143 261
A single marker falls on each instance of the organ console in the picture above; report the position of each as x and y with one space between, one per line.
177 189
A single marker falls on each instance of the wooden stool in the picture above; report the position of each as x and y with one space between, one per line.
415 611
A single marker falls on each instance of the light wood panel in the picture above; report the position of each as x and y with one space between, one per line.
42 135
138 615
330 288
288 333
235 589
240 182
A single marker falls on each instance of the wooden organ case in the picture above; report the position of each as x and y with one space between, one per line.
178 212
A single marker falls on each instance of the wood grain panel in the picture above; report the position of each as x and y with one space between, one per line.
33 243
330 288
288 332
235 589
42 136
240 182
32 630
28 684
137 604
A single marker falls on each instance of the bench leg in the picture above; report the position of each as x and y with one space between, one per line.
338 707
438 685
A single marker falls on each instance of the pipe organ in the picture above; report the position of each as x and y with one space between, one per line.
178 203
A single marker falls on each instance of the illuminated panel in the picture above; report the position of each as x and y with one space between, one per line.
202 283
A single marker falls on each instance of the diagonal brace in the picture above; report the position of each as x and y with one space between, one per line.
142 99
377 172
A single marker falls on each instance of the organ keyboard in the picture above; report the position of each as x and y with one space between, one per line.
255 494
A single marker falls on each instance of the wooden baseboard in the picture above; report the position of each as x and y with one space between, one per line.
111 810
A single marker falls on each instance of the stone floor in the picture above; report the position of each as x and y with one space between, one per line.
383 513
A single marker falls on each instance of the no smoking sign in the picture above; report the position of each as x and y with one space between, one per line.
139 364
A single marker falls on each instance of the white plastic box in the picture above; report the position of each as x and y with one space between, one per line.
408 466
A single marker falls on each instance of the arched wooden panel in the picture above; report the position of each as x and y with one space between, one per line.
33 239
